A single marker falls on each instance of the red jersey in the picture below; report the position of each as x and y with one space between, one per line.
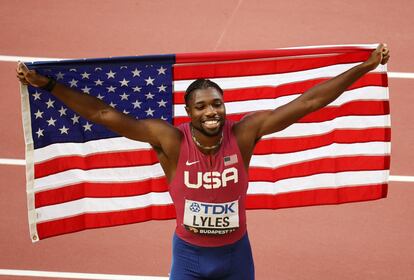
209 191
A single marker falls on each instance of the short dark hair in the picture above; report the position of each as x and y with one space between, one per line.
200 84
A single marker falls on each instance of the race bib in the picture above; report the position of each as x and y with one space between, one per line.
211 218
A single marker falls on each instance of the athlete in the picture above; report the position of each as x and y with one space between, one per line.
206 162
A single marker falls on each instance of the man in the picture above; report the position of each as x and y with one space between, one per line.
206 162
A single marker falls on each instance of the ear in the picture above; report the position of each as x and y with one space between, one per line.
187 109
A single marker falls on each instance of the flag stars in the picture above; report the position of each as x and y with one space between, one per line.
150 81
39 114
149 95
137 104
49 103
64 130
86 89
137 89
98 69
136 73
87 126
161 70
162 88
98 82
39 132
62 111
113 105
51 121
125 112
150 112
75 119
111 74
59 76
100 97
111 89
124 83
85 75
162 103
124 96
36 95
164 118
73 83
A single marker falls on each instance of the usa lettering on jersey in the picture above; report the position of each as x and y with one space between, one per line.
213 179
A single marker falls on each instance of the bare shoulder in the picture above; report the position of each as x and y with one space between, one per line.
250 125
247 133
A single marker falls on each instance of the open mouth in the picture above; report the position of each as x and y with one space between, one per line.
211 124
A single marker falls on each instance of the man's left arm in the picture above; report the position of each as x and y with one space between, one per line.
315 98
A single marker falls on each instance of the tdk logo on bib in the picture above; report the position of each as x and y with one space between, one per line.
213 208
211 218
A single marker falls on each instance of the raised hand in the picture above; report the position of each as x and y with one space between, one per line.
379 56
30 77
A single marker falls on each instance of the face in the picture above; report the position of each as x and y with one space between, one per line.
206 110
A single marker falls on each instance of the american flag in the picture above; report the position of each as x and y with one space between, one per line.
81 175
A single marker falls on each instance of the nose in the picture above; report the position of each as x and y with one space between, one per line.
211 110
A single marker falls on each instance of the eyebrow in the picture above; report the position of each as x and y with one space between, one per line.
202 101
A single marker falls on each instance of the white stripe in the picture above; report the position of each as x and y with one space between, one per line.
362 46
329 151
348 122
360 94
116 144
401 75
100 205
398 178
122 174
11 161
319 181
73 275
276 79
393 178
9 58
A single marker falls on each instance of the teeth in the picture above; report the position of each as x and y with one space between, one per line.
211 122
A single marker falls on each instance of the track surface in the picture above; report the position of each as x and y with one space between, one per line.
370 240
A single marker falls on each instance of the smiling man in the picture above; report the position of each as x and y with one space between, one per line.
206 163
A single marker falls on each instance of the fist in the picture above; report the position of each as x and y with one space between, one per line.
30 77
380 55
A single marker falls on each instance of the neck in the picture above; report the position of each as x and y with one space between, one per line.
206 147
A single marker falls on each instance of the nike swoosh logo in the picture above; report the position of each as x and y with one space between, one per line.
191 163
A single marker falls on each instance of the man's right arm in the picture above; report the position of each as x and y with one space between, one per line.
152 131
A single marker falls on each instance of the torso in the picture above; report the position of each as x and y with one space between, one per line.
209 191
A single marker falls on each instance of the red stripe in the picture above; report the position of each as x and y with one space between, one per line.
97 220
93 189
356 108
101 160
261 54
317 197
294 144
324 165
372 79
264 67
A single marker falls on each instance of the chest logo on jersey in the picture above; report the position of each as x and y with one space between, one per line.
211 180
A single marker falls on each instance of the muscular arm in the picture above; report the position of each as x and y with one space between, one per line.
254 126
161 135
